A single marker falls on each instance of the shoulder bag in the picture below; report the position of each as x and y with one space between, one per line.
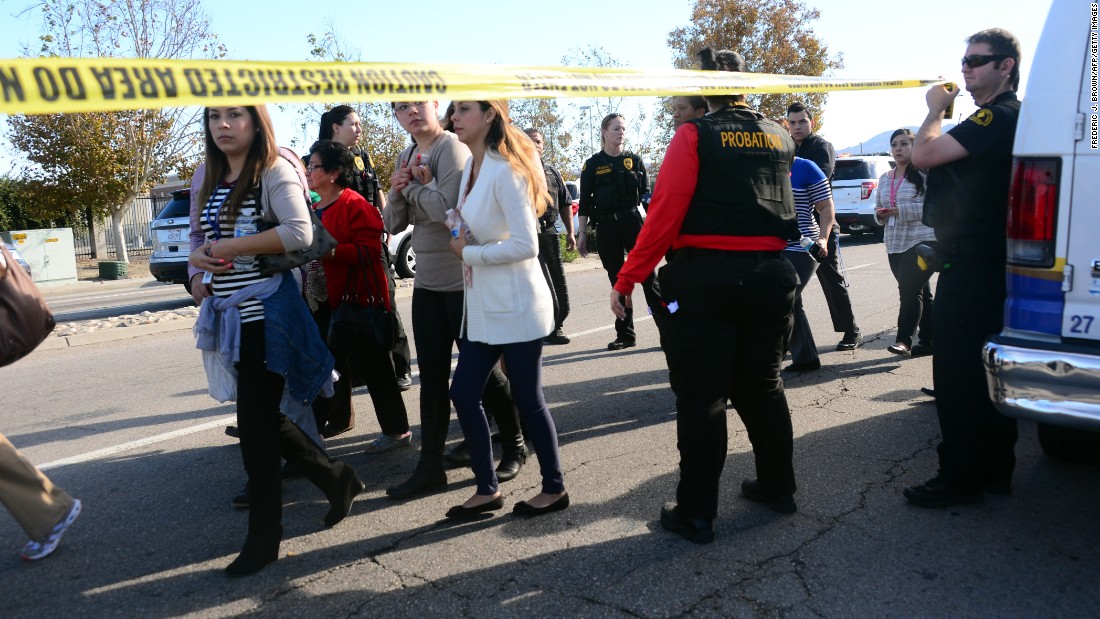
358 326
25 320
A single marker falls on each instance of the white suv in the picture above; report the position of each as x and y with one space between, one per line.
855 186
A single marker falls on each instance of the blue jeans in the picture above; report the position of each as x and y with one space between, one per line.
476 361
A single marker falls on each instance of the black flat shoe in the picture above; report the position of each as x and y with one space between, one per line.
900 348
696 530
809 366
340 501
921 350
620 344
525 510
459 512
938 493
421 482
750 489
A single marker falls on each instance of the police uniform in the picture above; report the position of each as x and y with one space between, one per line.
550 243
724 207
967 203
611 189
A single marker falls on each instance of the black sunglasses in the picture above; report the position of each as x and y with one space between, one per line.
977 60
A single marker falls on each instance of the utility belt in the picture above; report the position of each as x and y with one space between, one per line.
687 253
618 215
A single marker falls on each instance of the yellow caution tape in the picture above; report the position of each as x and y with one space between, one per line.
53 85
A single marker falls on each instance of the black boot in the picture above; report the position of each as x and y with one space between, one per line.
512 459
342 494
336 479
429 474
499 404
458 456
259 550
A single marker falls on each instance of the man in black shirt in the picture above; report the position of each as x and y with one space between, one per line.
967 204
820 151
550 242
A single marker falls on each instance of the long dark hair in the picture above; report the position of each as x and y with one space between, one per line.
722 60
912 174
261 155
335 157
335 116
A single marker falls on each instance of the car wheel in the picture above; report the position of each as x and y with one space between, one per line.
405 261
187 285
879 233
1070 444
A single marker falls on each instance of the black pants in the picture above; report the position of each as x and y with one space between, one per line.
267 436
550 255
372 368
615 238
915 296
835 287
978 441
802 345
437 317
726 342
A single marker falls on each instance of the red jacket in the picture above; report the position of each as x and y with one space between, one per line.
355 224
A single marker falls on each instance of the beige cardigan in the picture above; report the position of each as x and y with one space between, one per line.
508 299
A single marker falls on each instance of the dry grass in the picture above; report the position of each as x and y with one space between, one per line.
88 268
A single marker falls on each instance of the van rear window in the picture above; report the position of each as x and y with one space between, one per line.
178 207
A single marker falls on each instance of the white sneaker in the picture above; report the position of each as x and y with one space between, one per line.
39 549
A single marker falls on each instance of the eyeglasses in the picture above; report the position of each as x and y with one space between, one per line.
404 108
978 60
310 168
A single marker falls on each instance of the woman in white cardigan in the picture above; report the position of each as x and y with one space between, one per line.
507 309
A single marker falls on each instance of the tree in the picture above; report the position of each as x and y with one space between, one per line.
586 129
543 114
103 161
382 138
774 36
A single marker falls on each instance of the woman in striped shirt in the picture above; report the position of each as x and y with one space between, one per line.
253 204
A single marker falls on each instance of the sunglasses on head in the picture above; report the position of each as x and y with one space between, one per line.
977 60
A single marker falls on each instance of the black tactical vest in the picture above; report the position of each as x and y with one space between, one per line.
618 185
364 177
744 186
554 184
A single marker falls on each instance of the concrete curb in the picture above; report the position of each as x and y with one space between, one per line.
116 333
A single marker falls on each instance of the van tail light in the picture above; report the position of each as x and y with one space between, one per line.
866 189
1033 211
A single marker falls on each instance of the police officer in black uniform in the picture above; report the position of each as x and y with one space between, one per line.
730 297
550 241
966 202
612 183
342 124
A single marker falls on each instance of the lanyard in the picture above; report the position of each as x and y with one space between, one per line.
215 225
894 188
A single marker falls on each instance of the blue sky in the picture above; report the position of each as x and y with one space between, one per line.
924 38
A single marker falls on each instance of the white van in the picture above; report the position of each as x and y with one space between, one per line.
1045 364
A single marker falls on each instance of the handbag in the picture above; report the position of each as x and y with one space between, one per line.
323 242
360 327
25 320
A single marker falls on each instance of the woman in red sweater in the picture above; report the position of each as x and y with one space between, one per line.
357 228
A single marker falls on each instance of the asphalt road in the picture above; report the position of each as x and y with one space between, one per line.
127 427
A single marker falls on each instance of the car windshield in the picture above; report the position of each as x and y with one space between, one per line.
178 207
574 191
853 170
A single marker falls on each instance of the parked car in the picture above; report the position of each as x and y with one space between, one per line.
1045 364
574 190
855 187
404 258
18 257
171 243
